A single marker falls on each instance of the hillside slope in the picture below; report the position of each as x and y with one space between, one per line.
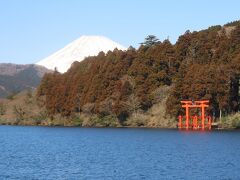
125 84
15 78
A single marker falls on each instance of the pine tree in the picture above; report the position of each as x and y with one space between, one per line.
150 40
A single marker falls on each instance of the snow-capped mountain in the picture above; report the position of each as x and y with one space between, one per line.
77 50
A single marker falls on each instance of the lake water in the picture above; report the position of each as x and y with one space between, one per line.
98 153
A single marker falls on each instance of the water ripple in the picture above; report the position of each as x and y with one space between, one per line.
79 153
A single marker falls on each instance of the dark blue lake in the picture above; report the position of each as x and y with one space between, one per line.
91 153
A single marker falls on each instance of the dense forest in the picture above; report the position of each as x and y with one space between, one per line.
200 65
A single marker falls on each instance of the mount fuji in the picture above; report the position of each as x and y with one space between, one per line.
78 50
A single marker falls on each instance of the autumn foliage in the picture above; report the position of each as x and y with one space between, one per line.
201 65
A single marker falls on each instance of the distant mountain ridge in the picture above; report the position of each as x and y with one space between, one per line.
15 78
77 50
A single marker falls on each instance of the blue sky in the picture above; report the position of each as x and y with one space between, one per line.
31 30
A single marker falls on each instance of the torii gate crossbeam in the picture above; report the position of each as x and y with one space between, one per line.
191 122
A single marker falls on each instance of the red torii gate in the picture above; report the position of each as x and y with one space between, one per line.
191 122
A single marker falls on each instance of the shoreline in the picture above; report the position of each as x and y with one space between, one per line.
123 127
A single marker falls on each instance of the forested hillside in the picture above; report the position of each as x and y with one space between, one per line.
123 84
15 78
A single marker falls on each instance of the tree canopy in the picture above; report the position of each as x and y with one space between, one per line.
201 65
150 40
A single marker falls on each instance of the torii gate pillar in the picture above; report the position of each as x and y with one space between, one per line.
197 104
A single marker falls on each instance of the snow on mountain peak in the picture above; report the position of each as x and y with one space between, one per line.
77 50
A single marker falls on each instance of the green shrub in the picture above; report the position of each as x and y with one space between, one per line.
236 120
3 109
77 121
11 96
106 121
231 121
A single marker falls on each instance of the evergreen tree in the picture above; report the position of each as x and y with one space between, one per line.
150 40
